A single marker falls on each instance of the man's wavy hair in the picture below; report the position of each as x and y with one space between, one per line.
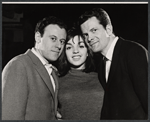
99 13
63 64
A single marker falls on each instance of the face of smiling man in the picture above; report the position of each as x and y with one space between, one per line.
51 44
76 52
96 36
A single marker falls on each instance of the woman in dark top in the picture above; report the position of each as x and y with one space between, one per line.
80 93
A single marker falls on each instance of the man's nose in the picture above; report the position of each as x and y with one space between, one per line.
90 38
58 44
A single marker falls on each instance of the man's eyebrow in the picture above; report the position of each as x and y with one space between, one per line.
92 28
63 39
52 36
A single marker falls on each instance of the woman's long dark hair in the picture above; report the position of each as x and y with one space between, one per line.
63 64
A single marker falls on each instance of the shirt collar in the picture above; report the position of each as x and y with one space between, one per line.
44 61
111 49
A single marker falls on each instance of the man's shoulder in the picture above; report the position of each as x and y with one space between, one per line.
129 44
18 60
132 48
21 57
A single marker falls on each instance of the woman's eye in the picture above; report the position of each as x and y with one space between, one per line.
67 48
81 46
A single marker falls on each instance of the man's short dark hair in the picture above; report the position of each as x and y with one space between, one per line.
40 27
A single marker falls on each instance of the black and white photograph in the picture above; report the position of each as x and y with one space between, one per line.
74 61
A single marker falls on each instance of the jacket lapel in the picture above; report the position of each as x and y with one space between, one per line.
98 58
42 71
115 60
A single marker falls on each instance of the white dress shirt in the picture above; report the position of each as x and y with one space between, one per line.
109 57
46 64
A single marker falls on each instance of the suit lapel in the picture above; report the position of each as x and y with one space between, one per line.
98 63
115 60
42 71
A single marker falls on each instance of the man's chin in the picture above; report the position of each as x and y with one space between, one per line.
94 50
52 59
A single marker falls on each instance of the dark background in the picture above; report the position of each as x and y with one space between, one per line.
129 21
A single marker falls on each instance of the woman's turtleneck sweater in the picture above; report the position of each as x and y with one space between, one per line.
80 96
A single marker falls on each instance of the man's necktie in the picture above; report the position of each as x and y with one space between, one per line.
52 73
104 68
50 69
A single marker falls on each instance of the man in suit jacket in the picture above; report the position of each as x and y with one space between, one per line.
29 90
126 72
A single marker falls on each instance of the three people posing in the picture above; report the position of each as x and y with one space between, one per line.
32 89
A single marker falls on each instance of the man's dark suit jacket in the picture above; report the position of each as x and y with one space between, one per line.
126 91
27 92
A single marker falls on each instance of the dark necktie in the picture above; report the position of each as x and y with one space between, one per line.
104 68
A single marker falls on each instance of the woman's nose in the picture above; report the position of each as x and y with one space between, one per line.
75 50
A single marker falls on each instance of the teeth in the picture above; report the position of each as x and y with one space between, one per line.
76 56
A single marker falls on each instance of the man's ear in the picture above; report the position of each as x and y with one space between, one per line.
109 29
37 37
